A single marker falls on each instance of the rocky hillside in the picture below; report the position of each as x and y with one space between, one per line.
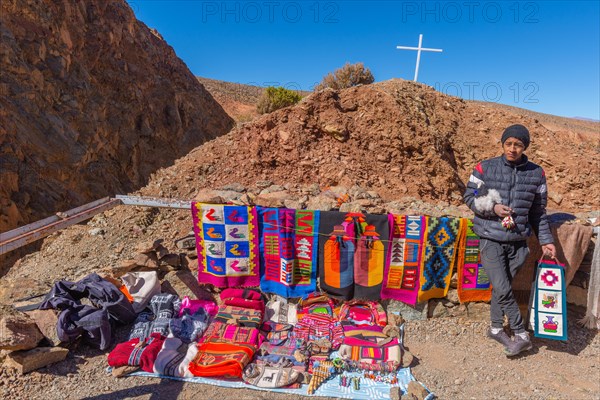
238 99
91 102
396 137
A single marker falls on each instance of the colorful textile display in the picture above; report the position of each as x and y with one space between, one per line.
175 357
279 347
473 282
227 244
352 250
269 376
190 307
231 340
370 346
137 352
360 313
288 251
220 331
276 333
549 305
442 240
337 272
156 317
142 286
315 303
245 298
220 359
369 259
317 320
189 328
279 310
364 341
404 257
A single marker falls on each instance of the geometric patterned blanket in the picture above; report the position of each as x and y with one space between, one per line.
288 251
473 281
227 244
442 240
404 257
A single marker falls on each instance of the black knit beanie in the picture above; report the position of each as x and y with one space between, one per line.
516 131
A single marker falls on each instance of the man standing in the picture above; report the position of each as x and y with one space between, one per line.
508 195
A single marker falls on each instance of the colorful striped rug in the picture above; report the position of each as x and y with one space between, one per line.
473 281
404 258
227 244
288 251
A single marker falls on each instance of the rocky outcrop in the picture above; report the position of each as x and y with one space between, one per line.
91 103
396 137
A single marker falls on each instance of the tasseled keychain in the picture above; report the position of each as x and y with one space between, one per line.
508 222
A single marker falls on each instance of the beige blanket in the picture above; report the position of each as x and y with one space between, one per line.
571 241
592 314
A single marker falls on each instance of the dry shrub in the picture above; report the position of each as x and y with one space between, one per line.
347 76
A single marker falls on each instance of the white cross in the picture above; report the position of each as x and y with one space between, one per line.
419 49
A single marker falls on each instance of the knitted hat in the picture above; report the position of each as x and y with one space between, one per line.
516 131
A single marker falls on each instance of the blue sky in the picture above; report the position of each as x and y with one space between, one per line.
539 55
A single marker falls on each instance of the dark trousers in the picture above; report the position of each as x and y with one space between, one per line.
502 261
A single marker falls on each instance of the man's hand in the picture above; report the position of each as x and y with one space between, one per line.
549 250
502 211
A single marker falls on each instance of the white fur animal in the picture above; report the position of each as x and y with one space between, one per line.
487 199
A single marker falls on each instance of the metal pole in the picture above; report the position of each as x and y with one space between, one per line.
19 237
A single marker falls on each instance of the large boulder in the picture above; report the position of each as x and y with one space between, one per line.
17 330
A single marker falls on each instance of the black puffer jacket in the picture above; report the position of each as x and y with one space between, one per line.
522 187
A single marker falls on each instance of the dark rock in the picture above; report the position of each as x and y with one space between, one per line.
174 260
